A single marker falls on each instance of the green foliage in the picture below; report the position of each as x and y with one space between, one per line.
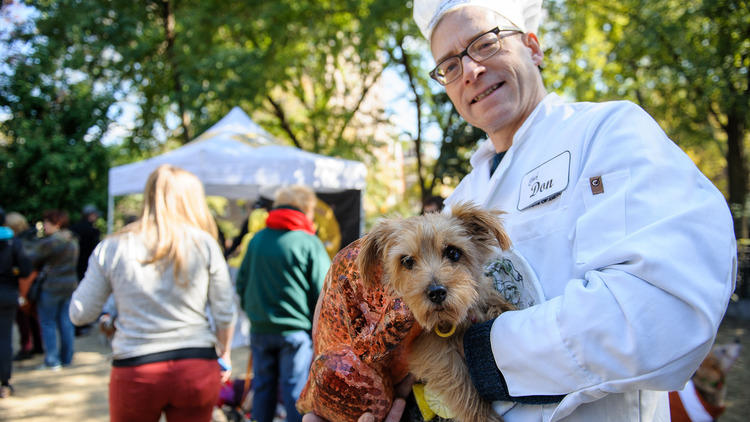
685 62
304 68
459 141
192 61
307 63
50 152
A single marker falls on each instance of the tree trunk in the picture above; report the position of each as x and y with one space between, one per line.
418 106
737 170
169 33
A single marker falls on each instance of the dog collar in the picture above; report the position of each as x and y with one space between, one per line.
445 334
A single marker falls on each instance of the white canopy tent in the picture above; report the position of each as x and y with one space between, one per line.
238 159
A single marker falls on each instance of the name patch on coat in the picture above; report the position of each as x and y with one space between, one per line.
545 182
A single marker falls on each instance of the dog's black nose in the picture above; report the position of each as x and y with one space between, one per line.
437 293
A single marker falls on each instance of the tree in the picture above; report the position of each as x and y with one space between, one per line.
306 68
687 63
434 109
458 142
308 63
50 151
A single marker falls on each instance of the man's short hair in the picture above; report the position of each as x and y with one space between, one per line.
298 196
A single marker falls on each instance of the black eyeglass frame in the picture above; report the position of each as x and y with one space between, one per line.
496 30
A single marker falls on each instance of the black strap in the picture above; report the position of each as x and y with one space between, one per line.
187 353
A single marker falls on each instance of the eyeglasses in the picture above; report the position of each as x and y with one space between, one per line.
480 49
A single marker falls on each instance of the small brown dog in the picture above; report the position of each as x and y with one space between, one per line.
703 396
435 263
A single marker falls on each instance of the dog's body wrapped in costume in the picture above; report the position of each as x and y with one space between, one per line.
363 331
360 338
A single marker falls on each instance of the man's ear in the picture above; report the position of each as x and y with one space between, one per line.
532 43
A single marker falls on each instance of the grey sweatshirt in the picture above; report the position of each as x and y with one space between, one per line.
155 313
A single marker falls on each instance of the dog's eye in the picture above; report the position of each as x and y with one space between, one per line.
452 253
407 262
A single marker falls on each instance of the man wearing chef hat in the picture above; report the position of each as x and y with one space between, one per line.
624 251
630 249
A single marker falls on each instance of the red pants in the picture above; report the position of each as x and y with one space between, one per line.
185 390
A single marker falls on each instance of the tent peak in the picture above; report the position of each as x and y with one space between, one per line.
238 125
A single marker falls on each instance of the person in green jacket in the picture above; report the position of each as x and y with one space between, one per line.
278 283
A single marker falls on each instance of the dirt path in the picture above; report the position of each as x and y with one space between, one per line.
79 393
75 394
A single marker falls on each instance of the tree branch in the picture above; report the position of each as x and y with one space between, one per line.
362 97
279 112
418 103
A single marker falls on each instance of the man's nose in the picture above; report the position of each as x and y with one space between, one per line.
471 69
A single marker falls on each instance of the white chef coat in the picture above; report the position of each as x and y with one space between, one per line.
636 265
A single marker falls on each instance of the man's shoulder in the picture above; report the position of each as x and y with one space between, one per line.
575 108
78 226
301 240
83 227
567 118
303 236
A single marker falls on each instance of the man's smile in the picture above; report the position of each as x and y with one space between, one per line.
487 92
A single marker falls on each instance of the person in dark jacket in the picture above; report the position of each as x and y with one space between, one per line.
88 237
30 336
56 256
13 263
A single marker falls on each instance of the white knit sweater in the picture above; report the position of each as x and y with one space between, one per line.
155 313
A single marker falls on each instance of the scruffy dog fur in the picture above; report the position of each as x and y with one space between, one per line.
708 382
435 263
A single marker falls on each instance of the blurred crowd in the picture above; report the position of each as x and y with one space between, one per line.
39 270
162 292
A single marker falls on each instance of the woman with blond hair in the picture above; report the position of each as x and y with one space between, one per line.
163 270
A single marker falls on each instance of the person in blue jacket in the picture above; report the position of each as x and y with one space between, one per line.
13 264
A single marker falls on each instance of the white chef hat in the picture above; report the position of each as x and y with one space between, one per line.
524 14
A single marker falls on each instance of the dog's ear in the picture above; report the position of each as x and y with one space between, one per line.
483 226
371 252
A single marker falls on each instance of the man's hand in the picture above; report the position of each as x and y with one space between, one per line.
397 408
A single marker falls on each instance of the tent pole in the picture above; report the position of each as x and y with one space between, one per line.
110 212
362 212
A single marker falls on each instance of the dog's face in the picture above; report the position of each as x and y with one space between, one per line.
710 375
709 378
435 261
